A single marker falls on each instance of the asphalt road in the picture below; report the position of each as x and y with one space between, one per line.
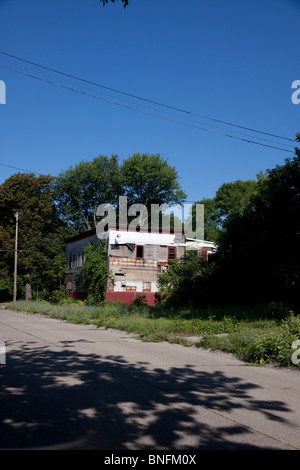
66 386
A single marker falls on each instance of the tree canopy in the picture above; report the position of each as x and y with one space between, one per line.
256 225
149 179
260 248
233 198
40 243
230 199
142 178
80 189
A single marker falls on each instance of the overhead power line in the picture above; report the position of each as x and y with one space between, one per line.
21 169
145 99
143 111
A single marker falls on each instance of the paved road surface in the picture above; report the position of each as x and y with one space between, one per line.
67 386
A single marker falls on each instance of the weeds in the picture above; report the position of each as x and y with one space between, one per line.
271 344
263 335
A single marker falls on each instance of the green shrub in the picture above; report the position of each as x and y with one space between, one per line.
264 345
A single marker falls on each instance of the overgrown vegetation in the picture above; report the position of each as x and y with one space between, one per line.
95 272
262 334
256 227
271 344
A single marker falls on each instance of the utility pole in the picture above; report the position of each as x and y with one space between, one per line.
16 258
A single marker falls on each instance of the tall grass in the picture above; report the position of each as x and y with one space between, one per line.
259 335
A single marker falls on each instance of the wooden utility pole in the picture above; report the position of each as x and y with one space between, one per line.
16 258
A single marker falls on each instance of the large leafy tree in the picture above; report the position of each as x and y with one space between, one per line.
40 237
150 180
142 178
233 198
79 190
212 219
260 246
259 243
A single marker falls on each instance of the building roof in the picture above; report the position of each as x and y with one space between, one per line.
121 229
121 236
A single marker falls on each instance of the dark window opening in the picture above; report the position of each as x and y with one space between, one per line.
171 252
140 251
115 246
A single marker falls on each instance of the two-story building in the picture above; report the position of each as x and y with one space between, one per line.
134 259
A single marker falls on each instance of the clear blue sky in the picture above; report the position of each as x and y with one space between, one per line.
229 60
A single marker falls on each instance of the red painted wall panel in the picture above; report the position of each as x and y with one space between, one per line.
128 297
78 295
125 297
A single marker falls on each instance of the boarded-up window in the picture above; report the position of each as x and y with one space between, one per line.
130 289
146 286
171 252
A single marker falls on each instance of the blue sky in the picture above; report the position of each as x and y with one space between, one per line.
229 60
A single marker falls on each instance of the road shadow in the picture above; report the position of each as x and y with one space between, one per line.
59 399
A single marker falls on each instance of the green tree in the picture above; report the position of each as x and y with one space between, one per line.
258 259
233 198
149 179
95 272
212 219
79 190
230 199
142 178
260 248
40 236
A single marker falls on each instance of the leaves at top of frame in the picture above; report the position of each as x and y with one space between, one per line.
125 2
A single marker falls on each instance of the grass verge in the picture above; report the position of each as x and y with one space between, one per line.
254 336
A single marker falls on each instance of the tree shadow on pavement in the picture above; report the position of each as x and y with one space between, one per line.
58 399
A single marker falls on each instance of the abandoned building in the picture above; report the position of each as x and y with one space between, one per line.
134 259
